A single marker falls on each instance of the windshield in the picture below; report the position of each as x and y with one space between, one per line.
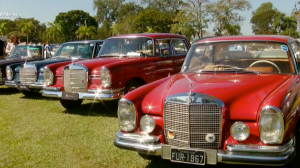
127 47
264 57
77 50
27 51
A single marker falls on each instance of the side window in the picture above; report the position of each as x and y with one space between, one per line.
98 47
296 51
163 47
179 46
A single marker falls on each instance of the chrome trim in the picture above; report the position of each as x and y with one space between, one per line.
73 66
84 96
37 85
282 130
25 66
2 80
51 88
196 99
260 157
129 103
133 137
10 84
106 91
259 148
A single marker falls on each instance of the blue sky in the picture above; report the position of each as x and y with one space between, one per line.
45 11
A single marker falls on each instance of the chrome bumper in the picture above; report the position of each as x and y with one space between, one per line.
36 86
109 94
254 154
2 81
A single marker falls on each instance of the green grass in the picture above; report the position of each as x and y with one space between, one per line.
39 132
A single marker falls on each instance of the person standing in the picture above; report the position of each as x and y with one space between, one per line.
10 46
48 49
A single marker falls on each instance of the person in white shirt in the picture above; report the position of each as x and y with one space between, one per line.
10 46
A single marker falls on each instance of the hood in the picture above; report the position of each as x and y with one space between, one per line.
10 61
241 94
98 62
41 64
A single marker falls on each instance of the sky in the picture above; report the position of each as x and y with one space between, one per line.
46 11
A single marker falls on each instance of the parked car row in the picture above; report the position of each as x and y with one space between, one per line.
228 99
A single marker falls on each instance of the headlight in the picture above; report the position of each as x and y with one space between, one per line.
240 131
105 77
126 115
271 125
9 73
147 123
48 76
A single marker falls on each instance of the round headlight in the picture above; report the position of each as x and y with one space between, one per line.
105 77
240 131
9 73
126 115
48 76
147 123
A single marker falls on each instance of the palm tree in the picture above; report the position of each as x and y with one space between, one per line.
2 28
84 31
54 32
26 27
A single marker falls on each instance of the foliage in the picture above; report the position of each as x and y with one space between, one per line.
54 32
72 20
107 10
85 31
26 27
104 31
2 28
166 6
224 14
191 19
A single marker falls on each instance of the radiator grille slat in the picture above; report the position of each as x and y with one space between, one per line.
190 124
75 80
27 75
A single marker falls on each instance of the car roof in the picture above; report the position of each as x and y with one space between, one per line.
85 41
278 38
150 35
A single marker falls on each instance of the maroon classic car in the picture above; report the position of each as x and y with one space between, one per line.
124 63
236 100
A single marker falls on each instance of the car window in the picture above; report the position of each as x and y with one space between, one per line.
296 51
163 47
179 46
79 50
98 47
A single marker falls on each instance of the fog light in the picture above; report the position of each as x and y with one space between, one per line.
240 131
147 123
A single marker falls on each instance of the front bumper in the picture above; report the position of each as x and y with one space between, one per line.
2 81
35 86
109 94
242 154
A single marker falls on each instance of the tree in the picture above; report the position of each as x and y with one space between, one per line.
54 32
107 10
72 20
166 6
85 31
265 19
296 12
9 26
104 31
224 14
26 27
2 28
191 19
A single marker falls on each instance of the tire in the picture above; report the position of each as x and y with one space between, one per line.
30 93
296 160
131 85
70 104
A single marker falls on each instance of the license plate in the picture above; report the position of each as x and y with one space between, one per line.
69 96
23 87
187 156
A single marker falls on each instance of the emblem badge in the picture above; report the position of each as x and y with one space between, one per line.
171 135
210 138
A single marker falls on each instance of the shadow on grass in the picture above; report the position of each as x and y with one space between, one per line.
38 96
160 163
106 109
8 91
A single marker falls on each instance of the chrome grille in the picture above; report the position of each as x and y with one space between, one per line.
27 75
191 123
75 80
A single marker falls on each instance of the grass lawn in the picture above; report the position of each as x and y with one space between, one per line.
39 132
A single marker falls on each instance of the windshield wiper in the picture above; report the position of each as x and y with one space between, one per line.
221 67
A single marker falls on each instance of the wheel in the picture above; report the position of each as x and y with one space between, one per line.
131 85
70 104
30 93
296 160
268 62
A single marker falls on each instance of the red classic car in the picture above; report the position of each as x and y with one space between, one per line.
236 100
124 63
